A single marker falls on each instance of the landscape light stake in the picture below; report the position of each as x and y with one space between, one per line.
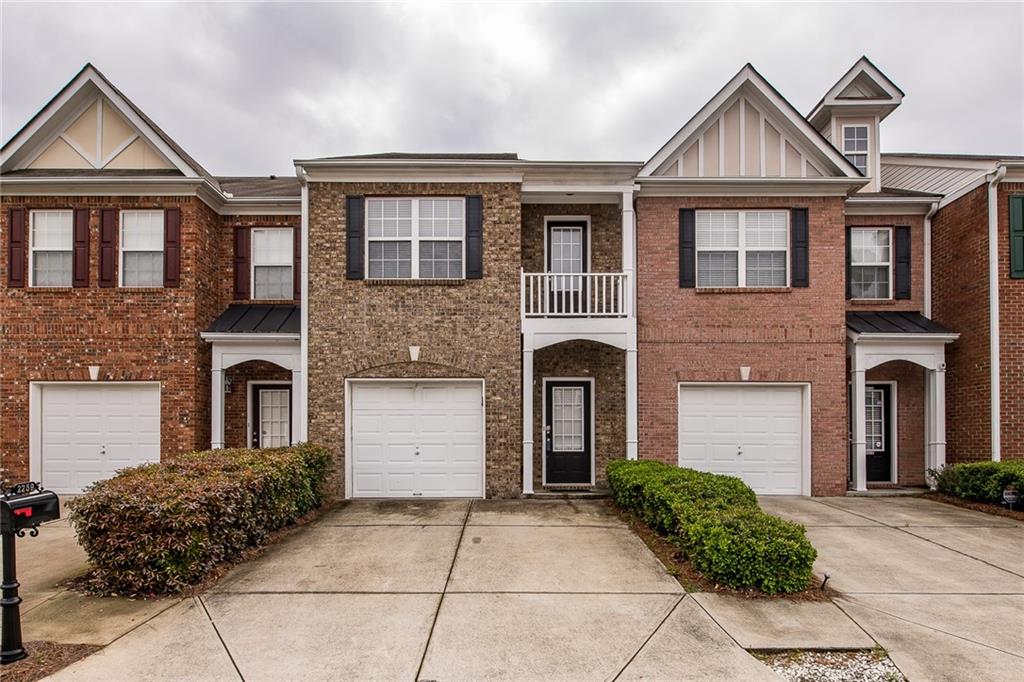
22 508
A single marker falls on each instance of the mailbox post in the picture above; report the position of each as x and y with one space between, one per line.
22 508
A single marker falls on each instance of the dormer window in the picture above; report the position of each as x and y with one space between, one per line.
855 146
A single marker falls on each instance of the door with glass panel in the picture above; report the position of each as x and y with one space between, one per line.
567 432
877 432
567 262
271 415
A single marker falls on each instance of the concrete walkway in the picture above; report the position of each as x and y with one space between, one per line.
488 590
941 588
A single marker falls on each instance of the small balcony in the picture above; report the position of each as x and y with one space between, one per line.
582 295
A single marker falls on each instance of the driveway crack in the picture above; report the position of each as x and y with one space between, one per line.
649 637
221 638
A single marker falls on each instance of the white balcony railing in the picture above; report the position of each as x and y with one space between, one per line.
591 294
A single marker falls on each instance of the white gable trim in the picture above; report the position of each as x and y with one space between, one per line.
88 75
705 117
893 98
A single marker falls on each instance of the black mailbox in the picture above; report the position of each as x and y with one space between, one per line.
25 511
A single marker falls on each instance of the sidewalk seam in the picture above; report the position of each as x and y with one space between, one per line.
220 637
650 636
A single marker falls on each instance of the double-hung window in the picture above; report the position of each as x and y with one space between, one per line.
742 248
855 147
870 262
52 242
415 238
142 248
273 254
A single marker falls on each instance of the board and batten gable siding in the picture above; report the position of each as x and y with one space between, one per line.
795 334
467 328
132 334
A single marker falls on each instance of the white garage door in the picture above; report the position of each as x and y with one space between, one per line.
89 431
417 439
753 432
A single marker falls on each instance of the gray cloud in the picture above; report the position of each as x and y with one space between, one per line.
248 87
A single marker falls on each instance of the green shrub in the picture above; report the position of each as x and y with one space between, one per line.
717 522
160 528
980 481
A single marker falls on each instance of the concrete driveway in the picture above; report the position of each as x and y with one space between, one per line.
445 590
941 588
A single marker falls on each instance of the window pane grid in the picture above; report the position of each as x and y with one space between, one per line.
51 242
142 248
437 240
855 146
870 262
742 248
567 419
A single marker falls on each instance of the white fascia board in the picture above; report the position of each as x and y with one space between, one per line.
897 337
894 206
405 175
978 164
249 338
261 206
969 186
862 65
544 187
39 121
94 185
666 186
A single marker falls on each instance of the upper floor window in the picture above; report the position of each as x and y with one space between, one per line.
142 248
742 248
855 147
273 263
415 238
50 253
870 262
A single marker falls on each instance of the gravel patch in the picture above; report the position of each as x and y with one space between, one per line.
833 666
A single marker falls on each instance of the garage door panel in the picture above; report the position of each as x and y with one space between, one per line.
391 421
752 432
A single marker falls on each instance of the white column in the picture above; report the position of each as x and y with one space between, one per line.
939 418
629 250
217 408
296 407
860 460
929 420
631 402
527 415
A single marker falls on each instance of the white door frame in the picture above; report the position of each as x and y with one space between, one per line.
248 405
35 416
893 416
348 420
543 426
587 235
805 419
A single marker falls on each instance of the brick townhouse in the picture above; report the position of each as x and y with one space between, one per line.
768 296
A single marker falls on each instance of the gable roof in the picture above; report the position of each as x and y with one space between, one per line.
753 83
863 85
86 85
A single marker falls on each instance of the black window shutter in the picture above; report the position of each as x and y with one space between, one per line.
800 238
16 249
902 276
687 248
354 221
849 283
1017 237
297 263
172 247
80 249
474 237
108 247
241 263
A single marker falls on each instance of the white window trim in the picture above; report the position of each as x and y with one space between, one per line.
121 250
741 248
32 249
889 264
866 153
253 264
548 219
415 237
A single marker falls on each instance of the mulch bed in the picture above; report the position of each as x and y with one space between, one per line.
692 581
44 658
984 507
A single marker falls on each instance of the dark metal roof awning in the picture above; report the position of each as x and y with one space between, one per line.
892 322
256 318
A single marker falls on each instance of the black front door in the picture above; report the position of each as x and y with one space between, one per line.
878 432
271 415
567 428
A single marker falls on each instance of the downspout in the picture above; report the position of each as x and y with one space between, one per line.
928 259
993 305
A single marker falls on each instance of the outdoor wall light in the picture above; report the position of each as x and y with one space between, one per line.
745 373
94 372
227 385
414 353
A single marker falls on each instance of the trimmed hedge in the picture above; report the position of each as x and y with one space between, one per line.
980 481
717 523
159 528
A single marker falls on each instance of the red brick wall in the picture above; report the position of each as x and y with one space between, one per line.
960 302
916 223
135 334
236 403
1011 337
909 396
793 335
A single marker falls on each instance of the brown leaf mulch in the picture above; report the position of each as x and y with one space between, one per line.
984 507
44 658
692 581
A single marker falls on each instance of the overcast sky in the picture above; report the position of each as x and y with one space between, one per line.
248 87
